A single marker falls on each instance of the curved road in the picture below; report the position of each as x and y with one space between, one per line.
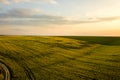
6 71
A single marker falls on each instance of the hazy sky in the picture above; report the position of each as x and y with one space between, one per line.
60 17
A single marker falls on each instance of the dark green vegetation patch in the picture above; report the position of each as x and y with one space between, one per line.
61 58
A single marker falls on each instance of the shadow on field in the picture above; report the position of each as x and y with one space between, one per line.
112 41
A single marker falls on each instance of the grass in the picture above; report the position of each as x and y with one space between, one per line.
1 74
61 58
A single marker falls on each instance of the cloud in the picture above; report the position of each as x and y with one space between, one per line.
50 1
108 18
22 16
28 1
19 13
98 19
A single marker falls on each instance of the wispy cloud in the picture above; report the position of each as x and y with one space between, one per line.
19 13
28 1
34 16
108 18
98 19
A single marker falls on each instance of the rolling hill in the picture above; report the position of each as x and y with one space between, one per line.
61 58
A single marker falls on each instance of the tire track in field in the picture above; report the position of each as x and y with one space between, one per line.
26 69
28 73
7 75
20 61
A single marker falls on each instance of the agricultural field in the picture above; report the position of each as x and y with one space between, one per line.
61 58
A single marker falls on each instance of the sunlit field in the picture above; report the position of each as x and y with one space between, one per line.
61 58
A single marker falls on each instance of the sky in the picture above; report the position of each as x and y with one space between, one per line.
60 17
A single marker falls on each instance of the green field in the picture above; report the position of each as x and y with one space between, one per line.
61 58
